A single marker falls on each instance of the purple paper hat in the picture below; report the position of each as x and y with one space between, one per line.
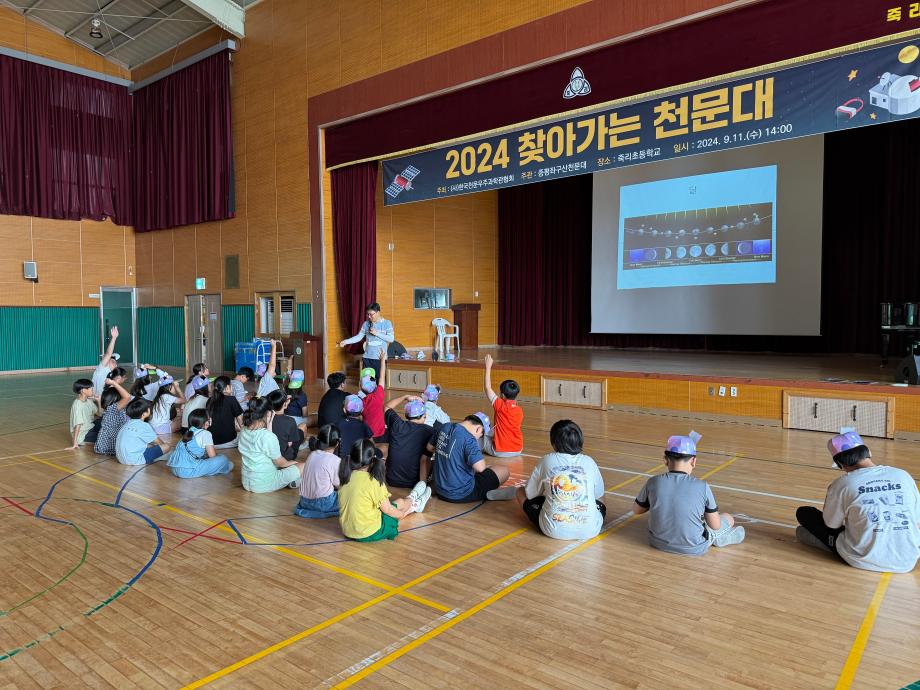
261 369
139 373
415 409
368 385
166 379
845 440
354 405
297 375
486 424
200 382
431 392
685 445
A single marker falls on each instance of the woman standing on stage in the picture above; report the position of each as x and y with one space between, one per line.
379 334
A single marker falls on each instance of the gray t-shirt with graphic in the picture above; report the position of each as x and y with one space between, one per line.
677 503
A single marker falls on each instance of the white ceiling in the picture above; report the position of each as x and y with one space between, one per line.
133 31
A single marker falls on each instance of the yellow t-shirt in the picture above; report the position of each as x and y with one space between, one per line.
82 412
359 505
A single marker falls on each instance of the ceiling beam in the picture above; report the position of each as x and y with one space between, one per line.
90 17
33 6
142 26
226 14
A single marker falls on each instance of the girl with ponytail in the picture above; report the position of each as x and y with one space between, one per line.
318 498
264 469
225 413
366 512
194 456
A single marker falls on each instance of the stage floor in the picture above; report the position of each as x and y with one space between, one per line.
744 365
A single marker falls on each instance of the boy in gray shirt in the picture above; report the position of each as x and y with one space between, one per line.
684 517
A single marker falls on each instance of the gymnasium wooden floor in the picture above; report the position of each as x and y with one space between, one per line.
114 576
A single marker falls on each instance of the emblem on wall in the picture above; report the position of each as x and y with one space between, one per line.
578 85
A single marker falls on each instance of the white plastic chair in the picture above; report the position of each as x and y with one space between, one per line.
446 332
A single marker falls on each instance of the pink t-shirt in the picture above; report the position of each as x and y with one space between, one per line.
373 412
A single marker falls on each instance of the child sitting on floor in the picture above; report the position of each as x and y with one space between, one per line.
164 418
137 443
870 513
82 412
506 439
224 414
332 404
266 373
290 434
243 376
114 400
199 400
366 512
264 469
374 397
352 428
200 369
684 517
146 382
195 455
564 497
318 498
433 412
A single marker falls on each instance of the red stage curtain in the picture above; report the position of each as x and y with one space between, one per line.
64 144
183 147
354 241
870 254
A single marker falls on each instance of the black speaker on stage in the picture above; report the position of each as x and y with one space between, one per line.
909 370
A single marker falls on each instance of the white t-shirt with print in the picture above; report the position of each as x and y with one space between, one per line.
160 413
571 484
878 507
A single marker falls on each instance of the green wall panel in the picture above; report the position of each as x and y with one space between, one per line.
49 337
161 336
238 324
304 317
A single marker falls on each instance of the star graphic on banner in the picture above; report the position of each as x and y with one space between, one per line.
872 116
852 75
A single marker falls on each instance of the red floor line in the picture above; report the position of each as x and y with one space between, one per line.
205 536
18 506
198 534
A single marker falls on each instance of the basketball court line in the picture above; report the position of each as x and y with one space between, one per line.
253 540
507 587
347 614
848 673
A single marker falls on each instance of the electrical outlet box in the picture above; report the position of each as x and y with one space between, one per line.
712 390
734 392
721 391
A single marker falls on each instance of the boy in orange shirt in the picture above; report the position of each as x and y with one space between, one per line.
505 440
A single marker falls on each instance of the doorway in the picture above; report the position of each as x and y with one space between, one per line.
118 307
204 338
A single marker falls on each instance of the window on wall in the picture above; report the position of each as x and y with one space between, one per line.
276 313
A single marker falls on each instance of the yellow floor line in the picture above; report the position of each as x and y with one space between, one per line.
255 540
862 637
346 614
448 624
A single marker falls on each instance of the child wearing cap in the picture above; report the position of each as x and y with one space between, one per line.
318 497
460 473
352 427
408 458
683 515
296 405
201 388
507 437
113 402
108 362
195 455
564 497
146 381
163 418
243 376
266 373
264 469
137 443
433 412
200 369
82 411
374 397
871 513
366 512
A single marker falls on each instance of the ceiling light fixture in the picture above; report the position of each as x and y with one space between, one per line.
94 32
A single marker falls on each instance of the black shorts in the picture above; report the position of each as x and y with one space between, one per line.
383 438
484 482
532 508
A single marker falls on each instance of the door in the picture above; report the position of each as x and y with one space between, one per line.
204 341
117 307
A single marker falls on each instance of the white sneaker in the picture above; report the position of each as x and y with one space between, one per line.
417 490
421 501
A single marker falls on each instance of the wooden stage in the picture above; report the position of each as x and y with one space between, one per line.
687 382
114 576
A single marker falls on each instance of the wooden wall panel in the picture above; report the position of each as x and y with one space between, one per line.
655 393
752 401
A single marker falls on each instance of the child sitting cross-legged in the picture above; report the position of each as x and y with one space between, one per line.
365 510
165 419
137 443
318 497
871 513
683 515
194 456
113 402
434 414
82 411
264 469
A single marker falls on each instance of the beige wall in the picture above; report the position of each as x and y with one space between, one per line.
74 258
